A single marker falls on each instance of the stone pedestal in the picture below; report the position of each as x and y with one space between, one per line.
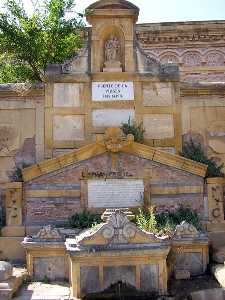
112 66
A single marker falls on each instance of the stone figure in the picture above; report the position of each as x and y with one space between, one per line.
112 49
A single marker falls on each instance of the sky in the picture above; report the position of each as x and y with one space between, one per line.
152 11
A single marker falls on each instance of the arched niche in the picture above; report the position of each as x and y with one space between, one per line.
107 34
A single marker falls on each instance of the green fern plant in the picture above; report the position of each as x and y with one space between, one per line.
131 127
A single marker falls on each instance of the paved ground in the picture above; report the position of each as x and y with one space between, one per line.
42 291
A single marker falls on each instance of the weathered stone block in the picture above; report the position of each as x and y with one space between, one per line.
54 268
149 277
5 270
219 255
111 117
68 128
157 94
182 274
66 95
158 126
89 277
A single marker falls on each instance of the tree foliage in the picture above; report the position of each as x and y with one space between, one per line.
28 43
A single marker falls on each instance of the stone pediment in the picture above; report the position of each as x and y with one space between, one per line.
118 230
113 142
112 4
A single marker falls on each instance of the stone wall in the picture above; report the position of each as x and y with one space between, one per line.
21 128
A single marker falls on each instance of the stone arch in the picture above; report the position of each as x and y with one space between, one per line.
169 56
214 58
192 58
104 35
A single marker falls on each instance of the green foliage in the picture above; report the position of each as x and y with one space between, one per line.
131 127
46 280
195 152
146 220
165 222
84 220
29 43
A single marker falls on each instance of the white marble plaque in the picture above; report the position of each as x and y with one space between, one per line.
112 91
113 193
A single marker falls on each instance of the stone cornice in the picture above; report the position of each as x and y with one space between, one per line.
202 88
180 32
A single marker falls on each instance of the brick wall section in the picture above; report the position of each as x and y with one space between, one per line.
45 210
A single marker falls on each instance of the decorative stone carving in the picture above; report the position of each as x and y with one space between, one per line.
22 89
49 233
118 230
112 55
215 199
169 58
186 229
114 140
112 49
192 59
6 270
14 205
215 59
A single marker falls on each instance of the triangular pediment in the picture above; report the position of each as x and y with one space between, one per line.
114 142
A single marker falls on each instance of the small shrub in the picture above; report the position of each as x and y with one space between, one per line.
146 219
84 219
131 127
45 280
195 152
166 222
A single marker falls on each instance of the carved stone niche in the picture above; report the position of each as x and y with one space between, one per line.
112 54
112 47
112 21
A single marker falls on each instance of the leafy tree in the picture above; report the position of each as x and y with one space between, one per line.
29 43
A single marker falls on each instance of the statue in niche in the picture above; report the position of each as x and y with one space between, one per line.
112 55
112 49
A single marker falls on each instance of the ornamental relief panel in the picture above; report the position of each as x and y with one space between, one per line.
192 59
198 57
